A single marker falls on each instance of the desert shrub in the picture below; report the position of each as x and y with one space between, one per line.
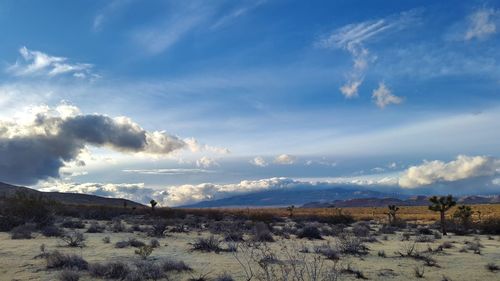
158 228
146 270
224 277
419 271
333 219
210 244
261 233
22 231
492 267
144 252
69 275
73 224
358 274
106 240
112 270
95 227
73 239
405 236
117 226
474 246
52 231
131 242
361 230
57 260
387 229
424 231
424 239
446 245
490 226
8 222
310 232
154 243
233 236
351 245
264 217
437 235
328 251
381 254
169 265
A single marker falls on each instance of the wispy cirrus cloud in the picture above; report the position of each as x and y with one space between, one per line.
107 11
236 13
353 38
482 23
36 63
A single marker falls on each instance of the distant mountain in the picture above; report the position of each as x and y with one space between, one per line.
291 196
412 201
7 190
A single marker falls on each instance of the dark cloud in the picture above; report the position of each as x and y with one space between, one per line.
36 150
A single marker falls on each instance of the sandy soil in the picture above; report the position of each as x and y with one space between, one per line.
17 257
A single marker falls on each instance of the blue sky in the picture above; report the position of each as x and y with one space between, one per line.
250 92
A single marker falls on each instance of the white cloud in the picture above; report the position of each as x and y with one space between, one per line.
463 167
285 159
103 15
206 162
482 23
38 63
382 96
259 161
352 38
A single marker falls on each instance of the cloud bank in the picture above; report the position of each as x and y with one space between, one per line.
462 168
482 23
36 146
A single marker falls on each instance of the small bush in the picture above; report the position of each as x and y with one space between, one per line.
52 231
224 277
446 245
106 240
424 239
57 260
22 231
131 242
117 226
490 226
328 251
69 275
262 233
95 228
348 244
419 271
210 244
361 230
158 228
492 267
73 239
233 236
382 254
144 252
146 270
112 270
310 232
154 243
169 265
73 224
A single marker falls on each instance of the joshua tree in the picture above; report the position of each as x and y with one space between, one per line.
442 204
464 214
153 204
393 209
290 210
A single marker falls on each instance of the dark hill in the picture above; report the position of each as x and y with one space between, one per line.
7 190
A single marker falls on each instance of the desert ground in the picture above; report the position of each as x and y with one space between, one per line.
231 248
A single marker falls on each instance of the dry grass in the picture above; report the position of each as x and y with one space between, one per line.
412 213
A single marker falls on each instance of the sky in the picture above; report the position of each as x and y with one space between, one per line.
184 101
